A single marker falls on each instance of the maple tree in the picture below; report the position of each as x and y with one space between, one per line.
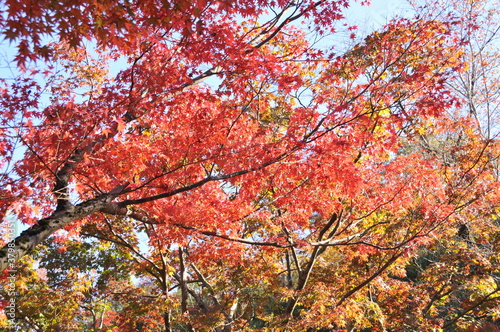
278 182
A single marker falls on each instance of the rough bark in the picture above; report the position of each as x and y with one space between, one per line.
30 238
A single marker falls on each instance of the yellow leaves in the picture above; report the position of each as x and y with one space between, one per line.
484 287
386 112
98 21
425 128
83 71
496 214
170 270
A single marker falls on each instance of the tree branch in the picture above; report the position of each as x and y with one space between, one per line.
26 242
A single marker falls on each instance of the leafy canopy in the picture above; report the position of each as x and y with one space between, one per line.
253 165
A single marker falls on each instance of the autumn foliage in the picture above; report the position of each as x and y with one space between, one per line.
252 165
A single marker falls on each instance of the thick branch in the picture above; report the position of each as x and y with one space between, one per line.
236 239
304 274
30 238
302 282
182 281
369 279
472 307
204 181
